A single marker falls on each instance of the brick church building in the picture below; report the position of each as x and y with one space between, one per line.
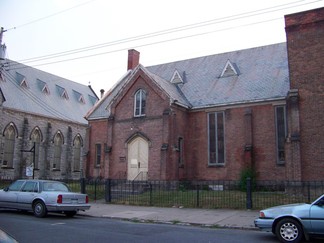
211 117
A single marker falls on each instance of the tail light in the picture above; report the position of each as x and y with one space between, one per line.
59 199
87 199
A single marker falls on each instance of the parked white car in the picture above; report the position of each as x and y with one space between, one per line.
43 196
291 223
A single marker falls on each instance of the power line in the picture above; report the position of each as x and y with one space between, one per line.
164 32
51 15
167 31
149 44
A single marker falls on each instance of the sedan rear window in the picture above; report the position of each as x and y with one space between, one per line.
55 186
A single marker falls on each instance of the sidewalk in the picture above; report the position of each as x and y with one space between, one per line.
222 218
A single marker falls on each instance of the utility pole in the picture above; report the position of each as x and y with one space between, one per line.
1 35
2 47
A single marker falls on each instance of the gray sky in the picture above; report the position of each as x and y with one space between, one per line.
90 38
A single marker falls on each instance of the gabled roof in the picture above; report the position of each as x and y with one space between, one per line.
263 75
238 77
46 95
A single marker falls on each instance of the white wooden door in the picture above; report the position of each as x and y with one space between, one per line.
137 159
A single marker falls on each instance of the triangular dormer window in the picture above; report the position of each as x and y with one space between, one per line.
65 95
176 78
43 86
79 97
46 90
21 80
62 92
92 99
230 69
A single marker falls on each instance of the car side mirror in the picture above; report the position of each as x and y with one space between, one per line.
6 189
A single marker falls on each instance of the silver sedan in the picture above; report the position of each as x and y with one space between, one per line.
291 223
43 196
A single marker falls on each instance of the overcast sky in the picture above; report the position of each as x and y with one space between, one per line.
90 38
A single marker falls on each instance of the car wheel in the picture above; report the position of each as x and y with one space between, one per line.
289 230
39 209
70 214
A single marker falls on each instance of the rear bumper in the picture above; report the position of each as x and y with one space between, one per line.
67 207
264 224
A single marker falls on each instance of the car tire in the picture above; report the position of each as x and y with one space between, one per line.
289 230
70 214
39 209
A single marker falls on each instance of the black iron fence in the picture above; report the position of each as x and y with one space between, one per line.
197 194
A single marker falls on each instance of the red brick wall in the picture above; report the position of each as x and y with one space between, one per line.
98 135
305 35
154 126
263 138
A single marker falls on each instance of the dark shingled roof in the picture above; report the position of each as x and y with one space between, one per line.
34 91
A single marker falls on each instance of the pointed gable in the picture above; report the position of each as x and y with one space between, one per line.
21 80
79 97
43 86
62 92
176 78
230 69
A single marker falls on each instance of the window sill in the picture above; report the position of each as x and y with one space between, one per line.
215 165
6 167
139 116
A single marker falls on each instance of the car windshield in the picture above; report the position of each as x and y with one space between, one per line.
16 186
55 186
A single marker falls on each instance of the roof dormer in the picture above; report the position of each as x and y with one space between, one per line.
230 69
21 80
43 86
176 78
62 92
79 97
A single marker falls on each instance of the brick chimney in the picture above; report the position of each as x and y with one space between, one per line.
133 59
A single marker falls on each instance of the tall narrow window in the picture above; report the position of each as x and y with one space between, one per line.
9 146
139 103
216 149
98 154
77 153
58 141
181 152
281 131
36 139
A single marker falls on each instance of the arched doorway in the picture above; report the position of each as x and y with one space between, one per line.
137 159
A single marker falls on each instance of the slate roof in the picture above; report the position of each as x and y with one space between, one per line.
37 92
238 77
262 75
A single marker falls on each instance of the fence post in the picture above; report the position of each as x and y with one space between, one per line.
108 190
151 196
197 203
95 190
248 193
83 185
